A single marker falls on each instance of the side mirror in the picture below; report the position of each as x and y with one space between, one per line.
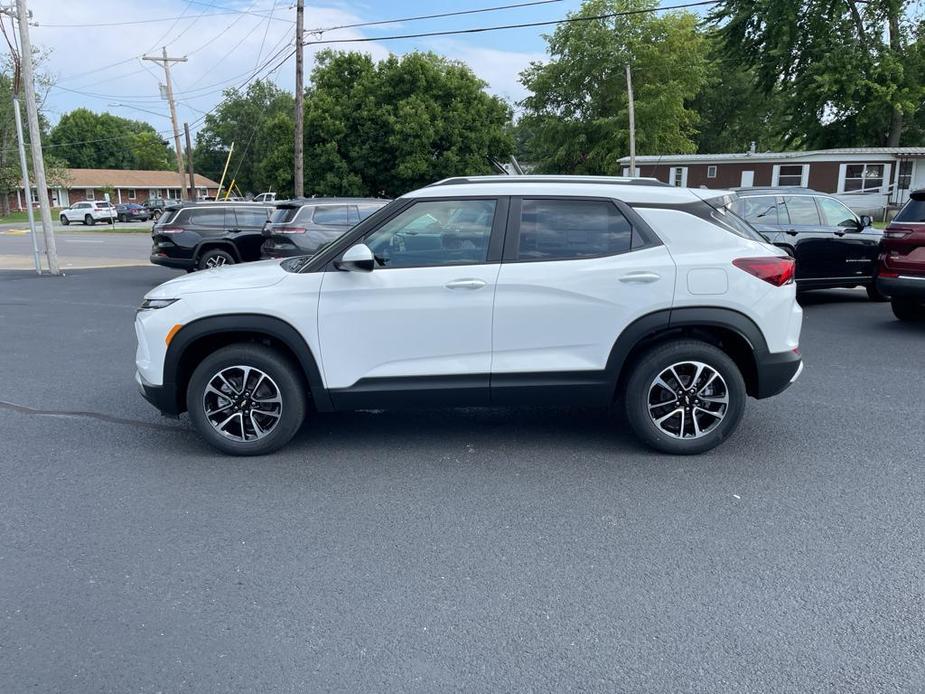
866 221
358 258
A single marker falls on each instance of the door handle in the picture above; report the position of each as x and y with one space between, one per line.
792 232
640 277
839 233
466 284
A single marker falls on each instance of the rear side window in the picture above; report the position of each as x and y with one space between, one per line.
251 217
366 209
914 211
213 217
338 215
281 215
759 210
802 209
167 217
569 229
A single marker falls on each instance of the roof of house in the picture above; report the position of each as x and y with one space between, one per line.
773 156
130 178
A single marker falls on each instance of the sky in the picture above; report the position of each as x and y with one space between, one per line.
94 47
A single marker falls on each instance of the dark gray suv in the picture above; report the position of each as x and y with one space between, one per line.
303 225
833 246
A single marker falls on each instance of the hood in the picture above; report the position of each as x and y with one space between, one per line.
228 277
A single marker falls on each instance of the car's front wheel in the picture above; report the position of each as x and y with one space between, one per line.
908 309
64 220
246 399
684 397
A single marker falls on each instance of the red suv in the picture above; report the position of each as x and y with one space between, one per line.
902 260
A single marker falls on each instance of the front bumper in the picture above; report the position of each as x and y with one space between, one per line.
777 371
164 397
903 287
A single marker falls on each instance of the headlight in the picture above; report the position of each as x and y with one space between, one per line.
156 303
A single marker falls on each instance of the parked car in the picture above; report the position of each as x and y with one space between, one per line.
88 212
303 225
132 212
155 207
833 246
202 235
265 197
505 290
902 262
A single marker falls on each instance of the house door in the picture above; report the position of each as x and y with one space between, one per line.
748 179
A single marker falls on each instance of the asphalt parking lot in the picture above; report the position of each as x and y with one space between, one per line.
478 550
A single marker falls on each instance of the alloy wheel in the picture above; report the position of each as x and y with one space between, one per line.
688 400
242 403
215 261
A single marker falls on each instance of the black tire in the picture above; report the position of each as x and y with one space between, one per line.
874 294
283 374
651 365
908 309
64 220
123 218
89 221
215 258
155 215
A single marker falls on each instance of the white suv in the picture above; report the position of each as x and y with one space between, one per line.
488 291
89 212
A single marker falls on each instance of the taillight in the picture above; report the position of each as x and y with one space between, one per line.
169 230
287 230
897 232
773 270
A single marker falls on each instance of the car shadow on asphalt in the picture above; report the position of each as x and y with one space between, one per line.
832 296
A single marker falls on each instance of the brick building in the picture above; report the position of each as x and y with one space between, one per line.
123 185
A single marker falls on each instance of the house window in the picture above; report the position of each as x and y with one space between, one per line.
202 193
173 193
791 175
863 177
905 174
35 195
154 194
130 193
711 172
90 194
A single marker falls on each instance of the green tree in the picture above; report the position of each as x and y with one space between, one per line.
87 140
389 127
577 111
260 123
846 73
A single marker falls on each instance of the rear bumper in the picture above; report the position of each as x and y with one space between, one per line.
167 261
164 397
903 287
777 371
271 250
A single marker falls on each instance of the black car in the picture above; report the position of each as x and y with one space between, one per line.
132 212
833 246
155 207
197 236
303 225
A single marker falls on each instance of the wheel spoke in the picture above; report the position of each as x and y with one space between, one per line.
670 415
698 377
718 399
663 404
221 377
715 415
236 412
709 381
220 409
700 368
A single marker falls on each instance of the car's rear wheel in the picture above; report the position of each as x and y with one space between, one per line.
246 399
685 397
874 294
64 220
908 309
215 258
89 221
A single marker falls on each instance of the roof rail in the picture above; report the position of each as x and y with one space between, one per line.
539 178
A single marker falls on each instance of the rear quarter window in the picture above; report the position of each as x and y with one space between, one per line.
913 211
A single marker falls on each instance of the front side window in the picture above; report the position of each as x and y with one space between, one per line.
435 232
790 176
569 229
802 210
834 214
759 210
863 176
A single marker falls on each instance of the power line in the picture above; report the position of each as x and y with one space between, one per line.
431 16
478 30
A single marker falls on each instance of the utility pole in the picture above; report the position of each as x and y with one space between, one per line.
189 163
24 167
298 170
165 62
35 137
632 112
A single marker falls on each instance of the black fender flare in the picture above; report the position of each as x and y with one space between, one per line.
270 326
222 244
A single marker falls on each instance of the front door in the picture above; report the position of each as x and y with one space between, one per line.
748 179
854 249
575 274
812 243
420 322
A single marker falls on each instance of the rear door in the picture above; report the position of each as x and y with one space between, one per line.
576 272
812 243
855 249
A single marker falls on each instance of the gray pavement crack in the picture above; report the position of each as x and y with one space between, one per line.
23 409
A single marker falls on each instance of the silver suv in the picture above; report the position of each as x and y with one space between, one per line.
303 225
